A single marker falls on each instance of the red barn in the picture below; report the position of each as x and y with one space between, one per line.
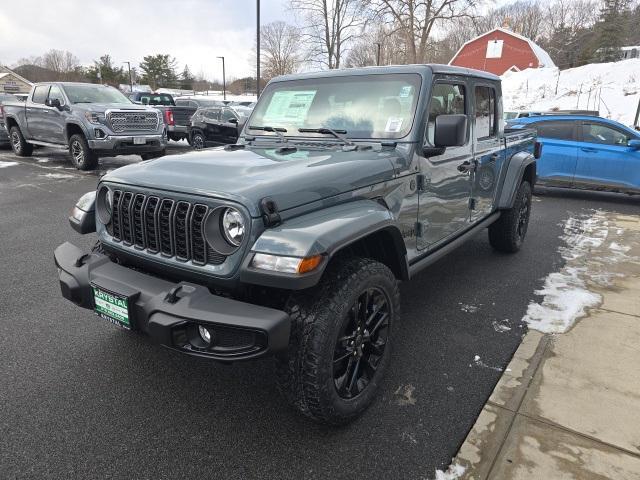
500 50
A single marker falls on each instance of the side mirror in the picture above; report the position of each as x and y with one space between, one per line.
233 120
54 103
450 131
635 144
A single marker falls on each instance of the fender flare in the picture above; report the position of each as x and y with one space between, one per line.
76 124
323 232
513 177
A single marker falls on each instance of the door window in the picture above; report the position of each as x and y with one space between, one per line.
56 94
40 94
446 99
485 112
560 130
603 134
212 114
228 115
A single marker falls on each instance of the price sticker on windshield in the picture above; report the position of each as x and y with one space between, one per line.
394 124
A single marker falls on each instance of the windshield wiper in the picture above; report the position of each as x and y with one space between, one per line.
339 134
277 130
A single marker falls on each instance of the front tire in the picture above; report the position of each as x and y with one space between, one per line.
197 141
340 341
19 145
82 156
508 232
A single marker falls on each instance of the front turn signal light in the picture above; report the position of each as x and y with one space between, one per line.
310 263
276 263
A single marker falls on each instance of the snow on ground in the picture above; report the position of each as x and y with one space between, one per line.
594 249
7 164
454 472
612 88
57 175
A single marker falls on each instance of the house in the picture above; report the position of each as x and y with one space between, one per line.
11 82
630 52
500 50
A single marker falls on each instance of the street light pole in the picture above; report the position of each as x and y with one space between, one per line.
258 48
130 78
378 56
224 81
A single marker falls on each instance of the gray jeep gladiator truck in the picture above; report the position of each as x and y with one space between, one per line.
92 121
293 241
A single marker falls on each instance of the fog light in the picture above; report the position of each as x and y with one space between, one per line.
205 334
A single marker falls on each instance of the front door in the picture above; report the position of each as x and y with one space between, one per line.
443 208
605 159
488 151
53 118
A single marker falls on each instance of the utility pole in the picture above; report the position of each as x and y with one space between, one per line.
636 123
130 77
378 55
258 48
224 81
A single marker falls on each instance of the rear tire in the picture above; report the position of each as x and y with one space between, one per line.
19 145
197 141
508 233
82 157
331 370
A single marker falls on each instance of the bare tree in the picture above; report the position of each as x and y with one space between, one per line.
281 49
415 20
330 26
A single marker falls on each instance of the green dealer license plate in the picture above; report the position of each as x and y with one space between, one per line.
112 307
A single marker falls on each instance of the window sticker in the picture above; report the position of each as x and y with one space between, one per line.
394 125
405 91
289 107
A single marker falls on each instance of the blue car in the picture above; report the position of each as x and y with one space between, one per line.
586 152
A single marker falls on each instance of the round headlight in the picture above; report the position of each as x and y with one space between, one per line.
104 204
233 227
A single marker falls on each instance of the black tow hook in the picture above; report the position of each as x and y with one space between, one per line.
81 259
172 296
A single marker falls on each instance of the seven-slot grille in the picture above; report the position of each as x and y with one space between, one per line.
133 121
162 225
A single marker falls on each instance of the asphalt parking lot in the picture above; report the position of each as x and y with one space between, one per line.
82 399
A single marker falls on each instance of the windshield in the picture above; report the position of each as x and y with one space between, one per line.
363 106
94 94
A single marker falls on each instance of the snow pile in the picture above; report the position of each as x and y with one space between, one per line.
7 164
612 88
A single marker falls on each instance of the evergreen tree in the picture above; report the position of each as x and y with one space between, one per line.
186 79
159 71
612 29
104 71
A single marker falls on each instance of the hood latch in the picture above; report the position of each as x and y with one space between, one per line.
270 215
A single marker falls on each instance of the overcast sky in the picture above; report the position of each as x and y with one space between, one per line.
193 31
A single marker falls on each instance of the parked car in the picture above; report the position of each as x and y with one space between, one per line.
583 151
176 117
216 126
92 121
199 102
293 242
4 135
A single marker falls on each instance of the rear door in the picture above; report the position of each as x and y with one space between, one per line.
604 158
488 151
36 113
443 208
559 151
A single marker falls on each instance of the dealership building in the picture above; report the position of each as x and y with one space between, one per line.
11 82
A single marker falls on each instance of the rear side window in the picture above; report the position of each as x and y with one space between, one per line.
446 99
485 112
603 134
558 130
40 94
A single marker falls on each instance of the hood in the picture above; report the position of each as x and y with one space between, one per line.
103 107
249 175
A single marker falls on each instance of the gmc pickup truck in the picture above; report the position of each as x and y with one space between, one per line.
293 242
92 121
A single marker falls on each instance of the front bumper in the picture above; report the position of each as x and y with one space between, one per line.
240 330
123 144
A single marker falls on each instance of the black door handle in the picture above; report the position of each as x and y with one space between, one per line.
466 166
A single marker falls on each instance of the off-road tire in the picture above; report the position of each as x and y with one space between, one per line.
152 155
18 144
509 231
82 157
305 372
